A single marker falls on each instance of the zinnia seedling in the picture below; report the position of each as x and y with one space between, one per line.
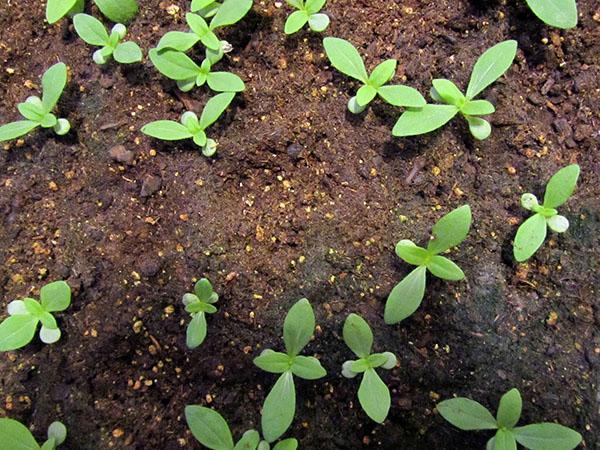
119 11
38 112
198 304
532 233
16 436
92 31
407 295
345 58
280 405
489 67
469 415
308 12
556 13
373 394
189 127
18 329
212 431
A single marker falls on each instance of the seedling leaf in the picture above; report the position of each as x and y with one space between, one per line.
196 331
504 440
273 362
358 335
225 82
53 84
561 186
509 410
308 367
295 22
118 11
249 441
209 427
406 297
423 120
286 444
16 436
374 396
166 130
557 13
479 128
411 253
173 64
399 95
214 108
530 236
127 53
178 40
345 58
383 73
298 327
318 22
547 436
91 30
450 230
17 331
490 66
230 12
55 296
279 408
478 108
448 92
445 269
467 414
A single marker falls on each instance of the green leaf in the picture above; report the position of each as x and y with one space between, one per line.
374 396
365 94
17 331
423 120
127 53
57 9
547 436
345 58
196 331
557 13
318 22
406 297
295 22
477 108
279 408
16 436
298 327
383 73
49 120
200 27
411 253
509 410
530 237
490 66
286 444
225 82
214 108
359 366
504 440
445 269
249 441
204 291
358 335
230 12
450 230
178 40
201 4
298 4
273 362
166 130
173 64
308 367
200 306
57 431
448 92
48 320
209 427
55 296
118 11
377 359
33 307
54 81
400 95
479 128
314 6
91 30
467 414
561 186
31 111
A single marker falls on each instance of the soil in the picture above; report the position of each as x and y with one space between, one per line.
303 200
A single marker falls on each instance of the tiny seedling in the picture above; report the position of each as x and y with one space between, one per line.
189 127
198 304
205 8
490 66
119 11
407 295
16 436
345 58
92 31
532 233
38 112
212 431
373 394
556 13
280 405
470 415
308 11
18 329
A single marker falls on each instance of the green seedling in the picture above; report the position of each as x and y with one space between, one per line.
92 31
280 405
469 415
490 66
407 295
345 58
18 329
212 431
205 8
308 11
190 127
198 304
532 233
119 11
556 13
373 394
16 436
38 112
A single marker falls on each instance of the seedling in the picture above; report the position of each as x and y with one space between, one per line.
198 304
556 13
212 431
490 66
407 295
189 127
18 329
205 8
280 405
92 31
532 233
373 394
345 58
308 12
38 112
469 415
14 435
119 11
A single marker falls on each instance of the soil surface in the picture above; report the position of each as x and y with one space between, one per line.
303 200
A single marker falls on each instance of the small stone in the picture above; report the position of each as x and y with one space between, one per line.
149 267
120 154
294 150
151 185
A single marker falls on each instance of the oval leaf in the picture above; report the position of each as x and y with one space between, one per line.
445 269
295 22
214 108
509 410
167 130
490 66
557 13
466 414
358 335
225 82
374 396
423 120
16 436
547 436
279 408
530 237
17 331
196 331
54 81
57 9
450 230
174 64
273 362
55 296
561 186
91 30
298 327
118 11
308 367
209 427
400 95
128 53
230 12
406 297
345 58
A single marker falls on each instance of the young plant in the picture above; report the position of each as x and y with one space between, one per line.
212 431
92 31
120 11
16 436
308 12
469 415
198 304
490 66
189 127
18 329
345 58
532 233
373 394
205 8
407 295
280 405
556 13
38 112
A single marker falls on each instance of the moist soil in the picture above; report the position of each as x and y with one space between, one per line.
302 200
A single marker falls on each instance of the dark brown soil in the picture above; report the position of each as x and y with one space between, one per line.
303 200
